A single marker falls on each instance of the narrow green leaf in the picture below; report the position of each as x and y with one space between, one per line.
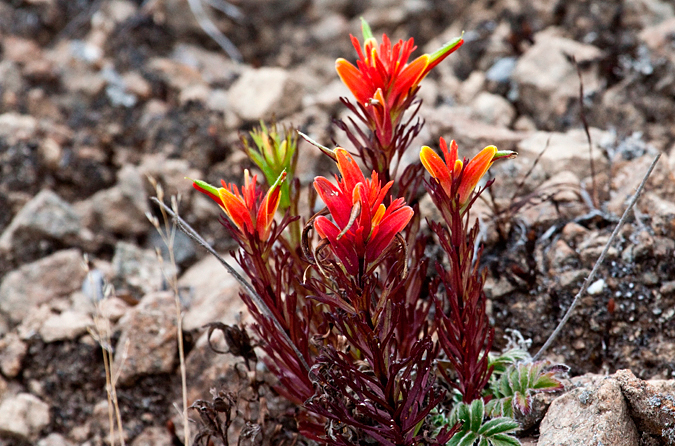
447 47
365 28
524 377
514 380
206 186
534 372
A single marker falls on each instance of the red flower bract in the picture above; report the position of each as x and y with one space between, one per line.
383 81
362 227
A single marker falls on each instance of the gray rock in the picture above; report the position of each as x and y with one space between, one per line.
470 88
262 93
45 216
148 342
68 325
566 151
214 294
561 255
547 80
501 70
23 416
12 352
10 77
214 67
15 127
54 439
138 268
471 135
120 209
493 109
153 436
35 283
183 247
658 37
594 413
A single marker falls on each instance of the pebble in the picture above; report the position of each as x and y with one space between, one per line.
596 287
23 416
12 352
68 325
262 93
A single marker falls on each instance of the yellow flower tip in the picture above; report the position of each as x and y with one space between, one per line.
458 167
340 63
432 162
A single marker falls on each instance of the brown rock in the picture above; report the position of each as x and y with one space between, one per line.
593 414
652 409
12 352
560 255
208 369
148 342
547 79
54 439
214 294
20 50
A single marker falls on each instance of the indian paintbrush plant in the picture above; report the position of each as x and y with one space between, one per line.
369 340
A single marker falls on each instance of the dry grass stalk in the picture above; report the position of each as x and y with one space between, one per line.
101 332
168 235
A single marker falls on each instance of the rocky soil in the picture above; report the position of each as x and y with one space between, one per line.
97 95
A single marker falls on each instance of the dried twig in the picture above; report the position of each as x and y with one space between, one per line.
210 28
190 232
590 277
588 133
521 183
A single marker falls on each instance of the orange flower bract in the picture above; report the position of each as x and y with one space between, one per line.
446 172
249 214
